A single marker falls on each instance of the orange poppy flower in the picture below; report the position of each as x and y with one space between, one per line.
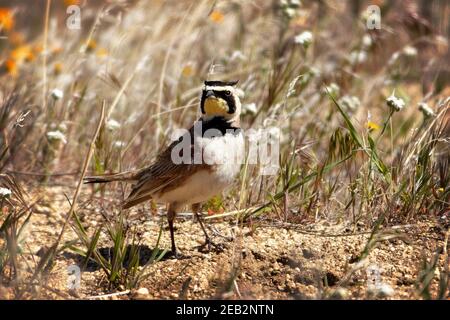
6 19
71 2
22 53
216 16
10 67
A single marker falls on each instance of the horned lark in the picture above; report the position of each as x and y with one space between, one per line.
200 164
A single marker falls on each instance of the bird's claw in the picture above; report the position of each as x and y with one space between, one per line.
211 246
177 255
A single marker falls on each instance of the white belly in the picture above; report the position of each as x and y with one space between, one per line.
225 155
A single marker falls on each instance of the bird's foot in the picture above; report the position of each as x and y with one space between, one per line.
209 246
175 254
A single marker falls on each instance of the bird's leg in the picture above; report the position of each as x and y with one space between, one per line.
171 217
196 209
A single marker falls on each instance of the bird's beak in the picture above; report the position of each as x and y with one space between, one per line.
214 105
209 94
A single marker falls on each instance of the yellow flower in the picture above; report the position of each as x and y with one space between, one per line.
22 53
102 53
6 19
90 45
216 16
57 68
187 71
372 125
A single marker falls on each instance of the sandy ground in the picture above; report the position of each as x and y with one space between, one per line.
264 260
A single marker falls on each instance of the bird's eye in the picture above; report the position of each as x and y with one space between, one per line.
227 93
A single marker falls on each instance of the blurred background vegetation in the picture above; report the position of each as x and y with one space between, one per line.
363 114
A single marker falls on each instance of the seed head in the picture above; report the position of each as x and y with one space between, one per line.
395 103
112 125
56 136
305 39
426 110
57 94
4 192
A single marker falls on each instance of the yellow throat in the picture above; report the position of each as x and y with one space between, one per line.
216 106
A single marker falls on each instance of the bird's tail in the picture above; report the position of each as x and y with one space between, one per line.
104 178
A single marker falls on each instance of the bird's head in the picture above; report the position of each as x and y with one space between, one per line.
220 99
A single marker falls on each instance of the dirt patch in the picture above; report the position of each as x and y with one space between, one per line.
262 261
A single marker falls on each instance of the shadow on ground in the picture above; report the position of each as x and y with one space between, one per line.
145 254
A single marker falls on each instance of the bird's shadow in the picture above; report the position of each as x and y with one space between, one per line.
145 253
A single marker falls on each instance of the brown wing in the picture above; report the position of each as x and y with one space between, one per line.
163 175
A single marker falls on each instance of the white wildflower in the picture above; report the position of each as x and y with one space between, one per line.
349 102
4 192
56 136
290 12
249 108
57 94
395 103
357 57
426 110
237 55
305 39
119 144
333 89
112 125
367 41
410 51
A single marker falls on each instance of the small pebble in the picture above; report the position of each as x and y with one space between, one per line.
141 294
385 290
